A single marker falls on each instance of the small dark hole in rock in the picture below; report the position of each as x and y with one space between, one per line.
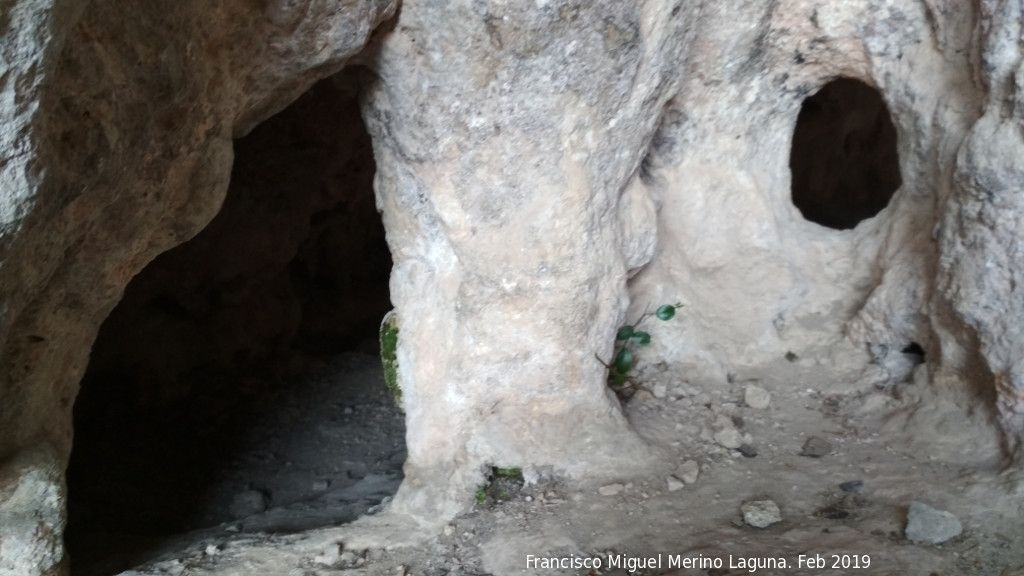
914 349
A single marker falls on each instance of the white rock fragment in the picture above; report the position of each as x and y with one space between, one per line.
927 524
761 513
660 390
688 471
675 484
330 555
757 397
611 489
726 434
729 438
816 447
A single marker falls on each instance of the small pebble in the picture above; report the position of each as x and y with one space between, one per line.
757 397
816 447
927 524
747 450
329 556
851 486
688 471
761 513
675 484
727 435
611 489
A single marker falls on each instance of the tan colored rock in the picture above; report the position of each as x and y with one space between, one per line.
757 397
611 489
118 122
980 235
688 471
515 211
761 513
532 158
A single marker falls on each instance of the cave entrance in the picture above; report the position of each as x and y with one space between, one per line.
844 163
237 384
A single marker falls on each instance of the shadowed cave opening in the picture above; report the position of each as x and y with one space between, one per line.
237 385
844 163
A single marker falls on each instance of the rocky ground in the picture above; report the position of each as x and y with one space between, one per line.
829 452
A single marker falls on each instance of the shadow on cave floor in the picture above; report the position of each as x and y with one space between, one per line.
260 455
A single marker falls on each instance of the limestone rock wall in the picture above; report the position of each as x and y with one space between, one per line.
532 159
489 124
509 140
936 267
294 259
118 120
761 279
981 231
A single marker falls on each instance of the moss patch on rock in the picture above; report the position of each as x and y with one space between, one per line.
388 355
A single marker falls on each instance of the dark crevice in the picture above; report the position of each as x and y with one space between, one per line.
206 344
915 351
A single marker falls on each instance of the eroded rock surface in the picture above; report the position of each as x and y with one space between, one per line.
532 158
117 146
509 141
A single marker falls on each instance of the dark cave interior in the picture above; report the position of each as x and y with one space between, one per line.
844 163
293 269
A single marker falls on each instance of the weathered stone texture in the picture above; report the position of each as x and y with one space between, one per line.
121 123
982 232
298 226
532 157
509 140
32 513
759 278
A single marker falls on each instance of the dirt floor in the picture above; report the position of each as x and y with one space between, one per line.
295 478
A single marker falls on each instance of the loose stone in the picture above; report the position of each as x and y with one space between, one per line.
761 513
930 525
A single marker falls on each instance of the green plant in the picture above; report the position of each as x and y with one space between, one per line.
515 474
627 340
502 484
389 355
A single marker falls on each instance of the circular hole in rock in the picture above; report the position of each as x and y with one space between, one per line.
844 163
237 383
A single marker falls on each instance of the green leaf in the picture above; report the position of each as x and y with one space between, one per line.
623 361
624 333
641 338
666 312
619 380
